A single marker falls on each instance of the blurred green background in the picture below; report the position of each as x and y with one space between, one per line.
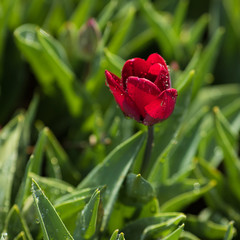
126 30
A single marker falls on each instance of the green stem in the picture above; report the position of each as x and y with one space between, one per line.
148 150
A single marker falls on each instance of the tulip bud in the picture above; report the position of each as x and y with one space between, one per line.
88 39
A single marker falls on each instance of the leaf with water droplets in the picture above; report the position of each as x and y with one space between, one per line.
87 220
9 144
114 235
161 224
16 226
112 171
51 224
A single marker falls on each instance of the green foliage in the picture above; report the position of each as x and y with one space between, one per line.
70 164
52 226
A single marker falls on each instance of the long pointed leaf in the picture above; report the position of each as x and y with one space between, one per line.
9 143
51 224
87 220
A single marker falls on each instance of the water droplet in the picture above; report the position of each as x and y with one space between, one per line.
196 187
4 236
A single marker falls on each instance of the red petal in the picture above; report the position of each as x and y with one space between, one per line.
137 67
142 92
154 71
156 58
161 108
126 104
110 75
163 80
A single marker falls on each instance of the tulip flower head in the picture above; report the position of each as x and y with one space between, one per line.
144 90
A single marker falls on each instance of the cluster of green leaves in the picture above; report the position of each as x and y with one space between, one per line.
92 187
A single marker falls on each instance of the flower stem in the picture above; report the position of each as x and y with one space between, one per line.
148 150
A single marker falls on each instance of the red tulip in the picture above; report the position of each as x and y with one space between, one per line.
144 91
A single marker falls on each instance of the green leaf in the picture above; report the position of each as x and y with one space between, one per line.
15 224
197 31
226 97
143 39
4 21
52 187
69 205
207 60
183 200
114 235
55 150
230 232
9 143
81 193
23 145
231 160
161 229
20 236
121 236
57 60
232 9
28 43
192 65
48 59
164 33
29 118
175 235
123 29
112 171
205 229
107 13
181 158
115 61
188 236
82 12
70 208
160 167
34 166
179 15
231 135
160 225
220 197
87 220
150 209
138 190
51 224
